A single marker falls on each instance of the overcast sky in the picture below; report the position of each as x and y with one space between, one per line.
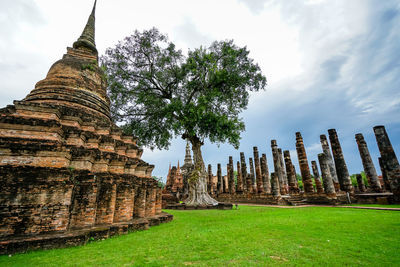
329 64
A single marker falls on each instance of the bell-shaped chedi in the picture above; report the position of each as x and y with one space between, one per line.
64 165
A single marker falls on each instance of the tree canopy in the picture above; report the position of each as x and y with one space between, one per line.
158 93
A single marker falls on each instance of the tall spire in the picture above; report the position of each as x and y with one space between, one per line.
87 37
188 155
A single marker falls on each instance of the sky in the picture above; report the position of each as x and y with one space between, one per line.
329 64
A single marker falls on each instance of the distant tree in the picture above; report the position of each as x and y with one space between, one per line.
160 181
158 93
354 182
299 181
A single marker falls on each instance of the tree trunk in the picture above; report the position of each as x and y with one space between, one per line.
197 179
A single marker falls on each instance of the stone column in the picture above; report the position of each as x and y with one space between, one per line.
257 166
318 183
140 202
83 201
277 166
265 174
244 171
284 175
248 183
209 180
275 185
295 173
147 208
231 177
386 182
124 201
220 184
150 201
159 201
332 169
360 183
389 160
252 176
225 181
340 164
326 174
291 174
368 165
106 198
239 187
303 162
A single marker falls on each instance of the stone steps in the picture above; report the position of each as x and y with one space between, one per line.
297 201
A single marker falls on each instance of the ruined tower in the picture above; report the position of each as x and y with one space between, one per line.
64 164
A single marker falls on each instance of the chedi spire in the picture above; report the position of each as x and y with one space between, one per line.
188 155
87 37
76 81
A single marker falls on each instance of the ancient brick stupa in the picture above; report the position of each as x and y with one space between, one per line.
65 166
176 187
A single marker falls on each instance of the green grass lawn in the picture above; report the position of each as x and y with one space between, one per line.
250 236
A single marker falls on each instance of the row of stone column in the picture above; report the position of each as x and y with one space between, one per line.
339 170
258 179
387 161
334 171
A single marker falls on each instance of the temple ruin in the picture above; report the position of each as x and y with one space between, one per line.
334 186
68 173
176 186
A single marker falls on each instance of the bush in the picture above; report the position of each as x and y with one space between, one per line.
353 178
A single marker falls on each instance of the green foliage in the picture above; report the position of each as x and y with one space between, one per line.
299 181
313 182
194 176
161 184
158 93
353 178
249 236
90 66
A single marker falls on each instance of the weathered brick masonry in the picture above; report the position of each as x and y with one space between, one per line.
64 165
282 187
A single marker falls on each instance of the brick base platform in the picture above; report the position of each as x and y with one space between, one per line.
79 237
220 206
375 198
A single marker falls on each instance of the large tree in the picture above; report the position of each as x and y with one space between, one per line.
158 93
